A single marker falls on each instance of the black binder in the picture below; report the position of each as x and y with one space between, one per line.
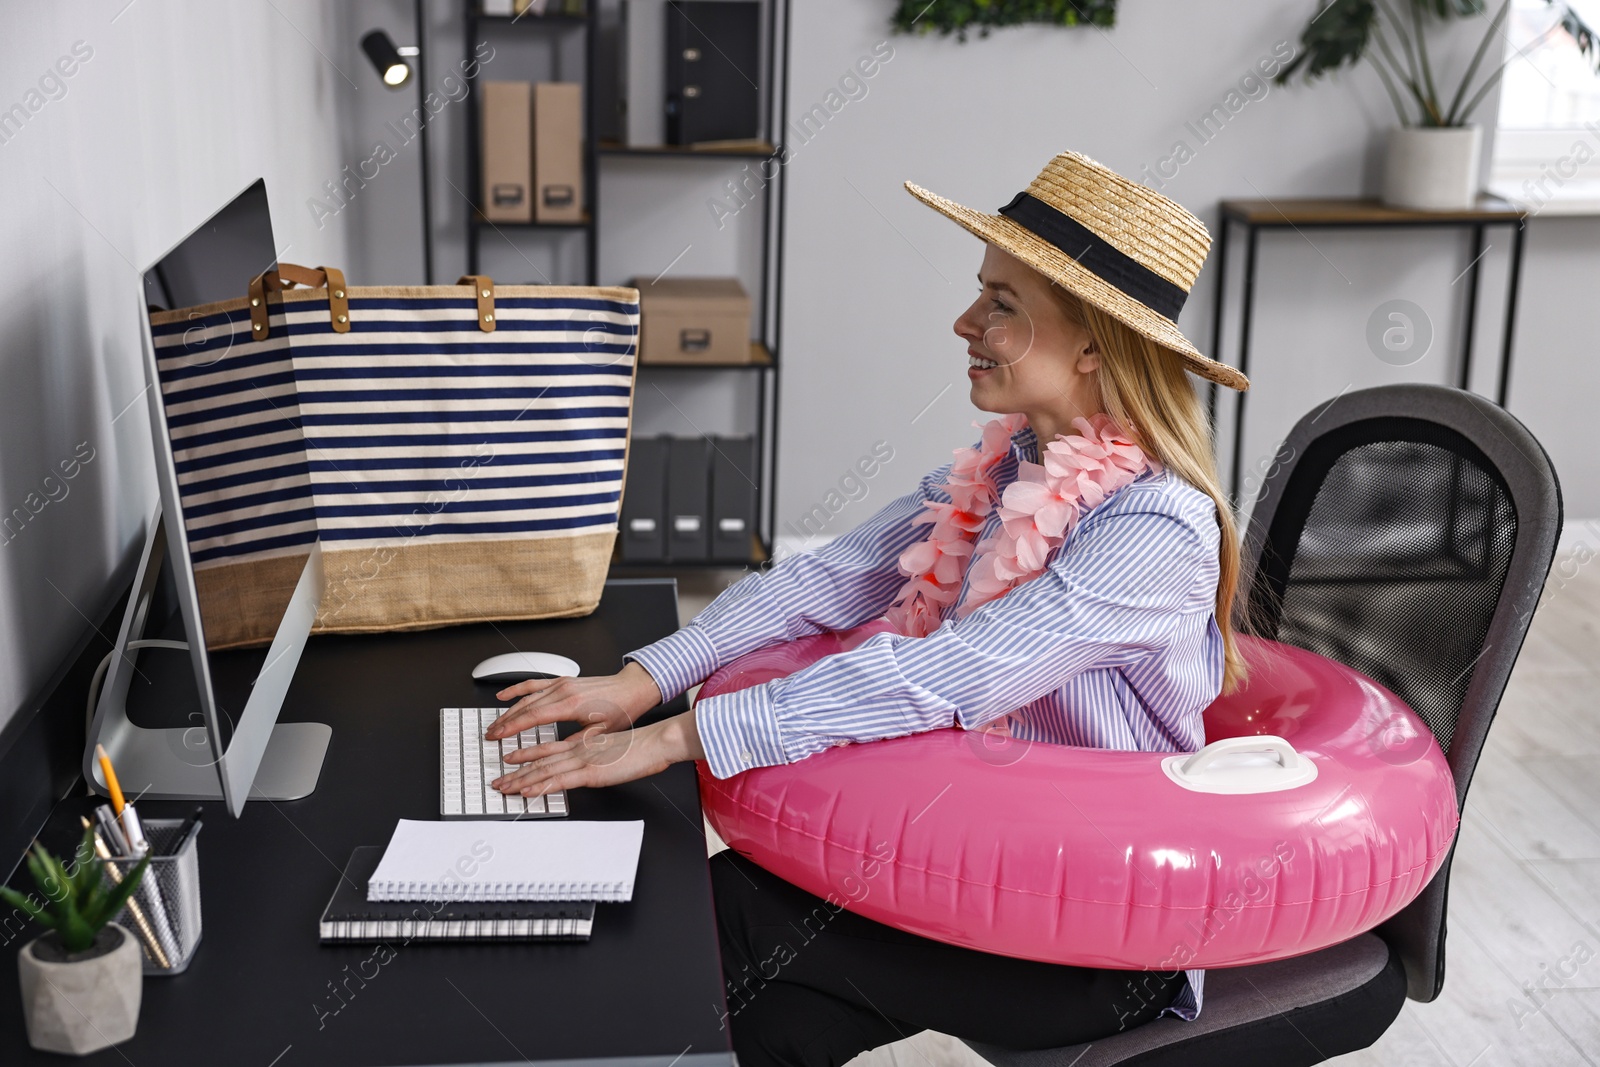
688 503
713 70
350 916
644 501
733 498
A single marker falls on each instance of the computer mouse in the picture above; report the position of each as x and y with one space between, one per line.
518 666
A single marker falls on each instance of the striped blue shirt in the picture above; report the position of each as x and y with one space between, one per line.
1115 645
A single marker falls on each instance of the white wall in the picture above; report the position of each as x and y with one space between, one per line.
179 105
875 279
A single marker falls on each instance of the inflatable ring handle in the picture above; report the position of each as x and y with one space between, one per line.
1288 758
1206 771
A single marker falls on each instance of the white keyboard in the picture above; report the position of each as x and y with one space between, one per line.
468 763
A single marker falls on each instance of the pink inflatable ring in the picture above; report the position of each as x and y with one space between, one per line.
1321 807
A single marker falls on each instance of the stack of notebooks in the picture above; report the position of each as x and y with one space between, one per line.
485 881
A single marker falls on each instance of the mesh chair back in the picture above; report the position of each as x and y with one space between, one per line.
1406 532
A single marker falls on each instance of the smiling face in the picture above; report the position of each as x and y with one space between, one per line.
1024 353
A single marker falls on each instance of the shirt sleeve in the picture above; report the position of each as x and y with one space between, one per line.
1113 595
853 578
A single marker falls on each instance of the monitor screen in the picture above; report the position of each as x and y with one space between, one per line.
232 425
218 259
242 576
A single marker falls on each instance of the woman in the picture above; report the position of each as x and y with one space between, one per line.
1081 596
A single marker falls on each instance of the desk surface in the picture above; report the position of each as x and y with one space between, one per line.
261 989
1328 212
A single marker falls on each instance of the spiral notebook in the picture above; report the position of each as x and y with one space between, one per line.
349 916
501 861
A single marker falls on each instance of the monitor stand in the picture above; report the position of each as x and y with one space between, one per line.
180 763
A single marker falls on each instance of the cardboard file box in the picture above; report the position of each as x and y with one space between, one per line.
507 151
558 152
733 498
688 503
693 320
644 501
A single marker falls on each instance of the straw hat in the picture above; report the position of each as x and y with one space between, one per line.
1112 242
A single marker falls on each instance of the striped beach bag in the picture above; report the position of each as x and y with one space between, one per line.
459 451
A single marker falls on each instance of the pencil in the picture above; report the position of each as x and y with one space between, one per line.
152 944
111 778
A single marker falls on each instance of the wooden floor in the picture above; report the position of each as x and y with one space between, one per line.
1522 982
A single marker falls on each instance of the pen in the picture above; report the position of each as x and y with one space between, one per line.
190 827
149 891
111 830
111 778
147 935
138 845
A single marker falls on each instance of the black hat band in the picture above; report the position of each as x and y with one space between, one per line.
1096 255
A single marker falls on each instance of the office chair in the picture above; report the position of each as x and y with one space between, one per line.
1406 532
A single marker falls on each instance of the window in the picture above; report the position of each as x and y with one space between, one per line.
1548 133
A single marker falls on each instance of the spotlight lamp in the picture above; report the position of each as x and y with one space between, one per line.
387 60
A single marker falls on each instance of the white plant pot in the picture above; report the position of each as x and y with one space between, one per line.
84 1005
1430 168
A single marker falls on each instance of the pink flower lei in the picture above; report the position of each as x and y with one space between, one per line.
1037 511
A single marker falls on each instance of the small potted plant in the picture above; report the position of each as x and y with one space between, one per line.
1432 158
81 979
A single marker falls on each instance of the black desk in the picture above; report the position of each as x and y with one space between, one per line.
261 990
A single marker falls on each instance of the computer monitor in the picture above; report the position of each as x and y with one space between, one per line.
234 748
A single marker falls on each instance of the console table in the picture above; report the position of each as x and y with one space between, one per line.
1323 214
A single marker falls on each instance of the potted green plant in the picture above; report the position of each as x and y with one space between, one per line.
1432 158
959 16
81 980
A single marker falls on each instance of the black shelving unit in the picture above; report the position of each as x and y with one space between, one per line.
764 361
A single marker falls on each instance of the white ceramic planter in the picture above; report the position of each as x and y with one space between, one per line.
1432 168
83 1006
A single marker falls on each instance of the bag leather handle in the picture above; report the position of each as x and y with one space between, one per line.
483 292
287 276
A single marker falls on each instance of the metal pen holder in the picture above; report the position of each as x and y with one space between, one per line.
164 912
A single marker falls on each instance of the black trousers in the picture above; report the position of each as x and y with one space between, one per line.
811 985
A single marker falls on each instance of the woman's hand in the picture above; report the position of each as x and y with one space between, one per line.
607 702
598 757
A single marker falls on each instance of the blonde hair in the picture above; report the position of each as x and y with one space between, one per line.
1146 389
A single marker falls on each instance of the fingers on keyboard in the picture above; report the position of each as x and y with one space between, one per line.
470 763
